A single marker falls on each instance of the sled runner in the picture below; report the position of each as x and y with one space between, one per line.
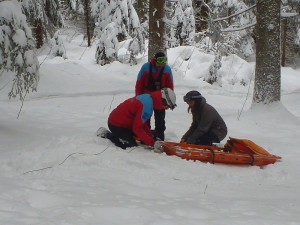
235 151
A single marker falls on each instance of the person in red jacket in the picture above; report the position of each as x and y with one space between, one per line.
130 118
153 76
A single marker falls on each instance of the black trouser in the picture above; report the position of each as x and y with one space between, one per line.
121 137
207 139
160 124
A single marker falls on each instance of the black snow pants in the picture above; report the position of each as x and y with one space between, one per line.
207 139
160 124
121 137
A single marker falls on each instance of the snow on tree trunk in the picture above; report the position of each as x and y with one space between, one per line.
17 50
267 71
156 27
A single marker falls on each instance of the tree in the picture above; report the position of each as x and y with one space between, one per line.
156 27
290 22
201 10
58 48
118 11
267 71
44 16
17 50
107 49
87 20
142 7
136 46
233 26
182 22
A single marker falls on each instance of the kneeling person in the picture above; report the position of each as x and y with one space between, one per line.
208 126
130 118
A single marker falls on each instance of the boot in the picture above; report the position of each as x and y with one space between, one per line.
158 135
102 132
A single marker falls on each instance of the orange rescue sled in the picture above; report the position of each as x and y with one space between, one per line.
235 151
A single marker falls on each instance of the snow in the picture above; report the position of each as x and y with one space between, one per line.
54 170
20 38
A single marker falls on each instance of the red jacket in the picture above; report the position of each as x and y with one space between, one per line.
133 114
141 85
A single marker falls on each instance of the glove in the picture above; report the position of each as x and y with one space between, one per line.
158 147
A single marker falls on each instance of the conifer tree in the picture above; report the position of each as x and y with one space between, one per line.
107 48
136 46
58 48
184 21
44 16
17 50
121 12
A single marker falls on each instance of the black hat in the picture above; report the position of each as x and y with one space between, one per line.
159 54
192 95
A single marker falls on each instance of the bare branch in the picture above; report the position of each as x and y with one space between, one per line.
235 14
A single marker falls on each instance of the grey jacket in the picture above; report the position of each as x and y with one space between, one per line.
205 118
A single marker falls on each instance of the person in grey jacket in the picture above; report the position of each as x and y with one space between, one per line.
207 127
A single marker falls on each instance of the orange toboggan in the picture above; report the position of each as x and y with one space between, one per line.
235 151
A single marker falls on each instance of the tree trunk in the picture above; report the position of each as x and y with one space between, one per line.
39 35
284 42
267 71
201 15
87 21
142 10
156 28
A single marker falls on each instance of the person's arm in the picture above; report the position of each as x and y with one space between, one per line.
140 125
203 126
169 77
139 85
189 132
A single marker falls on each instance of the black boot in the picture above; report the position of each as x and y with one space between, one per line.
158 135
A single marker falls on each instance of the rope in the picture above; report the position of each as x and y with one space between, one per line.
51 167
21 105
189 61
239 115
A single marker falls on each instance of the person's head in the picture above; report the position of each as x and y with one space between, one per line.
193 99
160 59
168 98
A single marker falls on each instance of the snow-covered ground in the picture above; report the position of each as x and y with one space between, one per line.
55 171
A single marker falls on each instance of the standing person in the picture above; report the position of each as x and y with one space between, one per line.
153 76
130 118
208 126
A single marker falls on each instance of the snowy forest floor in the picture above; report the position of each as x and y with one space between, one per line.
54 170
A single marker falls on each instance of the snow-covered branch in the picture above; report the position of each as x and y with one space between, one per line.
235 14
232 29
